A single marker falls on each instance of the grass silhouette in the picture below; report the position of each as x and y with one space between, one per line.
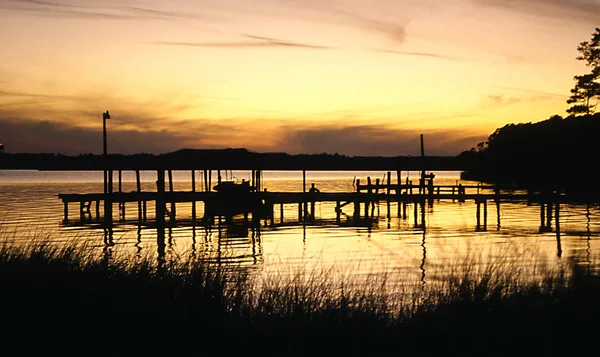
75 301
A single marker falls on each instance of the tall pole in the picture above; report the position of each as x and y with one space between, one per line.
107 173
422 183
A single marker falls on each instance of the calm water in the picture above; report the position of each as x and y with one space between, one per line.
391 246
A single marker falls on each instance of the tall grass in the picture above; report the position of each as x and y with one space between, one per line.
69 294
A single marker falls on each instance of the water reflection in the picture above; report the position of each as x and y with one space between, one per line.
441 235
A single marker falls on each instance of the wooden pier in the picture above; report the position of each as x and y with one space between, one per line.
258 203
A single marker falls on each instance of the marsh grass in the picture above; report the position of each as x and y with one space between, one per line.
69 294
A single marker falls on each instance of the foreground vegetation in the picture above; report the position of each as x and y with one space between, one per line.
66 300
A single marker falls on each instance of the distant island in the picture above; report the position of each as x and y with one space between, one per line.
226 159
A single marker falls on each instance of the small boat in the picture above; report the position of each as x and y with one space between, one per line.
233 188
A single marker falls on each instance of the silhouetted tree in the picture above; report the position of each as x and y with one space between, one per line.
586 94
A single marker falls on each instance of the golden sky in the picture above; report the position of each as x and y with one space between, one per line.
357 77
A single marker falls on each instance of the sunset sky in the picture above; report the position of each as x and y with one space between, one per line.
357 77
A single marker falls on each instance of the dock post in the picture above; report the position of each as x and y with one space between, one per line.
358 185
369 198
404 204
423 213
138 186
121 200
173 212
389 185
205 174
252 183
304 194
97 210
549 214
281 212
556 215
108 200
478 203
194 199
376 197
66 211
160 208
356 214
542 215
338 211
416 213
398 173
498 213
485 214
300 212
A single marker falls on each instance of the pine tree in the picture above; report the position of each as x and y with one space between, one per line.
585 96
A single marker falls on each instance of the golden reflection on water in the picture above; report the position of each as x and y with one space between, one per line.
387 247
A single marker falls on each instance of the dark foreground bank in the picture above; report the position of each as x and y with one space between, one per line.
67 301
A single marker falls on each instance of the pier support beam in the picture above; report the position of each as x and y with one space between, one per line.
138 186
108 216
160 206
193 192
479 202
173 213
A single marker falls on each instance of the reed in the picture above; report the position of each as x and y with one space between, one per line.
69 293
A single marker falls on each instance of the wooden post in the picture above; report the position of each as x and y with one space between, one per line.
121 202
389 185
66 211
549 214
478 213
205 173
484 214
358 185
300 212
304 193
423 213
194 199
542 215
404 204
97 210
253 184
160 208
281 213
338 212
416 213
369 198
173 207
498 213
138 186
556 216
108 200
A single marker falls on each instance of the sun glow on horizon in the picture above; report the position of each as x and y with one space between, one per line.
226 74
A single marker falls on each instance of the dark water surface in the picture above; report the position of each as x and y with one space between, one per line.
391 247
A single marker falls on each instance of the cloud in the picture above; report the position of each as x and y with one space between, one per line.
537 92
254 42
421 54
5 93
339 12
93 10
588 10
21 134
363 140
